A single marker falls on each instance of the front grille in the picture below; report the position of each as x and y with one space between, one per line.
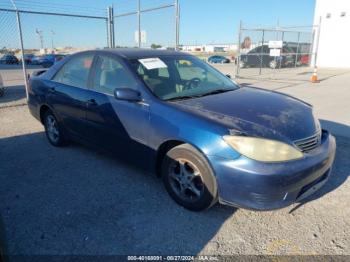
309 143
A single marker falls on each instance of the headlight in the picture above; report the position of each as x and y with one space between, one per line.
264 150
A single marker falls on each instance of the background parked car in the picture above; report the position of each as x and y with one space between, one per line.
28 58
260 56
301 56
8 59
47 60
217 59
36 60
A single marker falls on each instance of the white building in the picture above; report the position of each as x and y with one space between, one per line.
210 48
334 38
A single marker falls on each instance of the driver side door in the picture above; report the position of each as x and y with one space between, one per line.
115 124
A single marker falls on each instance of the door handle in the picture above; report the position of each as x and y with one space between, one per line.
52 90
91 102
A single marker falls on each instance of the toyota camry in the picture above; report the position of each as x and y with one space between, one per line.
209 139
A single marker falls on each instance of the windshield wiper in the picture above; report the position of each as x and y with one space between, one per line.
217 91
179 98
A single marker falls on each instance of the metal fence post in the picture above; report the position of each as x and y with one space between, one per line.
177 24
238 59
139 22
110 27
261 52
317 42
107 24
22 52
296 55
280 63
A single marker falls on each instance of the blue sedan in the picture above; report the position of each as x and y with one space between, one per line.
170 113
217 59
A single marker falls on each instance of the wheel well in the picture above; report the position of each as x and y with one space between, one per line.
43 110
162 150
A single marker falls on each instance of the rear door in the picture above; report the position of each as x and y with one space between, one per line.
68 93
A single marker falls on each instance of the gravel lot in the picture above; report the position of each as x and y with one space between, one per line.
76 200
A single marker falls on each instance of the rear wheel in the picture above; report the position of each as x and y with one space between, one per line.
53 130
188 178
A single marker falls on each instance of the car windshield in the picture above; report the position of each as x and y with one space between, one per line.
181 77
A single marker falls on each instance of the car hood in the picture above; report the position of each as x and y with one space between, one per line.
256 112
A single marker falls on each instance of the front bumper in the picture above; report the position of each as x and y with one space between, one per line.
256 185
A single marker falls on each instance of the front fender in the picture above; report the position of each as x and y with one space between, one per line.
201 133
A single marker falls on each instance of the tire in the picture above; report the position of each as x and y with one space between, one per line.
185 167
273 64
53 130
242 64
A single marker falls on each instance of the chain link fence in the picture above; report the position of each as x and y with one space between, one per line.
271 52
9 43
157 22
45 37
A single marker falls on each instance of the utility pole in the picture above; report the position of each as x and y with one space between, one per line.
40 35
110 27
52 34
177 24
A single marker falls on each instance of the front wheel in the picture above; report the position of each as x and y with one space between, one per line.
242 64
53 130
188 178
273 64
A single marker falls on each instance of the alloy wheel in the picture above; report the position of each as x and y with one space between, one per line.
185 180
52 128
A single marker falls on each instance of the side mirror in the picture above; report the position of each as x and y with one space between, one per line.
229 76
127 94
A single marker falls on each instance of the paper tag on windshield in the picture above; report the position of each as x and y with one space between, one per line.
152 63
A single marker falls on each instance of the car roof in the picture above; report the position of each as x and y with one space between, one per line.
135 53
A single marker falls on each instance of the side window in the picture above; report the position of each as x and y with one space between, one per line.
111 74
75 72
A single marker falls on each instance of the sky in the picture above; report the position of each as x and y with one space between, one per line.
202 21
